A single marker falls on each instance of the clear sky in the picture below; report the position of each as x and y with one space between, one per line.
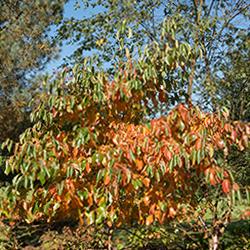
66 49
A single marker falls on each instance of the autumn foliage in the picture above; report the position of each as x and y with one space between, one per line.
98 153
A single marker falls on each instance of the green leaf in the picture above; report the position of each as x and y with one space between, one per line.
90 217
171 165
239 196
248 196
132 156
198 156
41 176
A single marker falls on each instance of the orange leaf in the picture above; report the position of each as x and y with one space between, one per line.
90 199
158 215
152 209
146 182
183 112
107 179
198 144
212 179
168 155
246 214
171 212
149 220
139 164
236 187
226 186
75 152
146 200
88 169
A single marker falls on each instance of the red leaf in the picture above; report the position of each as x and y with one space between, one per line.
212 179
198 144
168 155
233 135
226 186
162 96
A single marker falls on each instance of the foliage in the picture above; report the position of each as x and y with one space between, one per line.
213 26
109 148
90 158
233 80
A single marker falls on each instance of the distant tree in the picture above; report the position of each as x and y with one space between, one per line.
24 48
233 80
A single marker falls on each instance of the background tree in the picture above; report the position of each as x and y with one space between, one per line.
210 25
233 84
25 47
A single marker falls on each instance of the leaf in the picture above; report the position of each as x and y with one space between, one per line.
212 179
132 156
146 200
171 165
184 113
193 157
146 182
233 135
168 154
41 176
130 32
236 187
211 151
139 164
247 195
88 169
198 144
239 196
198 157
90 199
75 152
226 186
149 220
90 217
106 179
171 212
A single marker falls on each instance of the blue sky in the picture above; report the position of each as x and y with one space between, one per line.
67 49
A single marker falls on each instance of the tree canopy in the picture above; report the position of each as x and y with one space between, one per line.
92 158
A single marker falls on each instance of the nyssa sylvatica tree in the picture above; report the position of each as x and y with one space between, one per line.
103 150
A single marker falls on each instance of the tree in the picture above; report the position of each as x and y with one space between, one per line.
90 158
233 80
209 25
25 47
